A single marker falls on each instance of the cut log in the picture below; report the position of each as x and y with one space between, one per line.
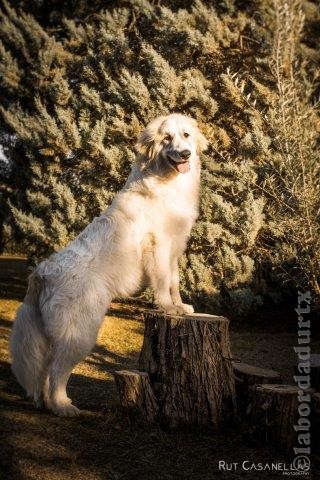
273 412
189 364
136 395
248 375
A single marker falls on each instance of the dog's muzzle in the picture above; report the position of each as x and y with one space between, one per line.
180 160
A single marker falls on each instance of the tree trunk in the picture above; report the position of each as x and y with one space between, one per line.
248 375
136 395
189 364
273 412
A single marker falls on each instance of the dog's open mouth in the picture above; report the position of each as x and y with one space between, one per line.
182 166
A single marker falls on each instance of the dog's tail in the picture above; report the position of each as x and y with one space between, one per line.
28 344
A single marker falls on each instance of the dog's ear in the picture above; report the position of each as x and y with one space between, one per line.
202 143
149 140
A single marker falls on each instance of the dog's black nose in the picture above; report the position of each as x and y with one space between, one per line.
185 154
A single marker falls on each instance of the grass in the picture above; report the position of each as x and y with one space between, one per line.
102 443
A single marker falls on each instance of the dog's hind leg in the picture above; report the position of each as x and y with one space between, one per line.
45 390
65 356
39 387
72 329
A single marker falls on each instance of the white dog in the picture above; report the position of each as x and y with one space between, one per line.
137 241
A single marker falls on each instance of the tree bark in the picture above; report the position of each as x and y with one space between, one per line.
273 412
248 375
189 364
136 395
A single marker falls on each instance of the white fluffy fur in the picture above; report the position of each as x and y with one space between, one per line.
137 241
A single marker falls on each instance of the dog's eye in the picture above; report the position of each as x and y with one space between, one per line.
186 135
168 138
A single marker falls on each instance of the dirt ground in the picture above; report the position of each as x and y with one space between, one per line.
102 443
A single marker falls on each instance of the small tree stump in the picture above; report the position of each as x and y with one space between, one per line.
248 375
189 364
273 412
136 395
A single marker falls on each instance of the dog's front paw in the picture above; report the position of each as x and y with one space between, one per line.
172 309
182 309
187 308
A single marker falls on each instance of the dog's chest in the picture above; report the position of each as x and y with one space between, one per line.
174 213
176 224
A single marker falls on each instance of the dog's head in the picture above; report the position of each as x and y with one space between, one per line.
171 144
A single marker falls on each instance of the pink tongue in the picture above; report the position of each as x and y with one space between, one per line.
183 167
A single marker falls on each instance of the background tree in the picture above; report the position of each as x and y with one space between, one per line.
284 112
78 88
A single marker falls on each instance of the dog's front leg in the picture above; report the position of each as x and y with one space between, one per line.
159 269
175 288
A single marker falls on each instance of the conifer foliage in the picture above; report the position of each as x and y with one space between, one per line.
77 88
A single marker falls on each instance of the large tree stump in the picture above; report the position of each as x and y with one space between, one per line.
136 395
189 364
273 412
248 375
